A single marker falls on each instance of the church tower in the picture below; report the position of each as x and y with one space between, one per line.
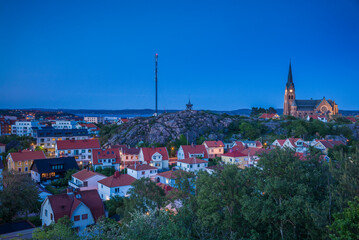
289 94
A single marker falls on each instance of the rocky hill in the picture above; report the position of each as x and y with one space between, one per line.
170 126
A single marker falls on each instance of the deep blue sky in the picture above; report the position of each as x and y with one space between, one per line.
225 55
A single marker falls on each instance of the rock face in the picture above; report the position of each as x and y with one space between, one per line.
170 126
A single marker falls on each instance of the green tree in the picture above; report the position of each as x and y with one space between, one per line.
346 224
62 230
19 195
104 229
145 195
113 204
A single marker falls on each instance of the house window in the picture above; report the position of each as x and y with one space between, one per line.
84 216
19 169
77 218
83 151
198 165
143 172
51 217
45 213
25 169
117 190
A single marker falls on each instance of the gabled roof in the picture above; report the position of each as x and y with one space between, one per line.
172 174
294 140
85 174
88 125
192 161
255 151
130 151
78 144
117 180
27 155
234 154
194 149
45 165
111 153
141 167
280 141
211 144
65 204
149 152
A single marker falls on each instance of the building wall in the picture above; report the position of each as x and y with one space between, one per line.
82 156
106 193
18 166
35 176
141 174
46 212
192 167
80 211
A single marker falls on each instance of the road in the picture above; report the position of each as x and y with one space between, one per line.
24 234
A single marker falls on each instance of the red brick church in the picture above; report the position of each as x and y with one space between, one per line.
303 108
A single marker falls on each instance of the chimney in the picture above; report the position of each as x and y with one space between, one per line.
116 174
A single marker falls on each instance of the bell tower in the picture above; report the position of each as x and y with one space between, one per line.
289 94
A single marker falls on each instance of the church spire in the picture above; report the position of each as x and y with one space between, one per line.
290 77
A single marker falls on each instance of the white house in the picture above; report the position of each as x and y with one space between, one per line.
156 157
190 151
115 185
141 170
192 164
84 208
318 117
64 124
23 128
94 119
85 180
106 158
80 149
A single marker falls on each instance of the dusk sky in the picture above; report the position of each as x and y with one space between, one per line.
224 55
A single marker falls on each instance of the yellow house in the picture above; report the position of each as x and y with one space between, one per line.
21 161
236 157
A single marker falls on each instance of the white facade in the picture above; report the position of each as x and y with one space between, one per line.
46 214
64 124
82 156
35 176
193 167
94 119
106 192
148 173
88 184
23 128
156 160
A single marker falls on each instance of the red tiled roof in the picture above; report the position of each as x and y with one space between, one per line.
211 144
111 153
267 115
85 174
240 147
1 144
78 144
192 161
148 153
141 167
235 154
194 149
294 140
117 180
125 120
255 151
27 155
165 187
130 151
172 174
65 204
329 143
88 125
352 119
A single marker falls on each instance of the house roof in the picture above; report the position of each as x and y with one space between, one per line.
237 153
130 151
27 155
294 140
45 165
65 204
192 160
88 125
149 152
255 151
141 167
172 174
214 143
2 145
85 174
281 141
78 144
111 153
194 149
117 180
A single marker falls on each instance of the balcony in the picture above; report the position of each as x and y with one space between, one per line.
75 185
